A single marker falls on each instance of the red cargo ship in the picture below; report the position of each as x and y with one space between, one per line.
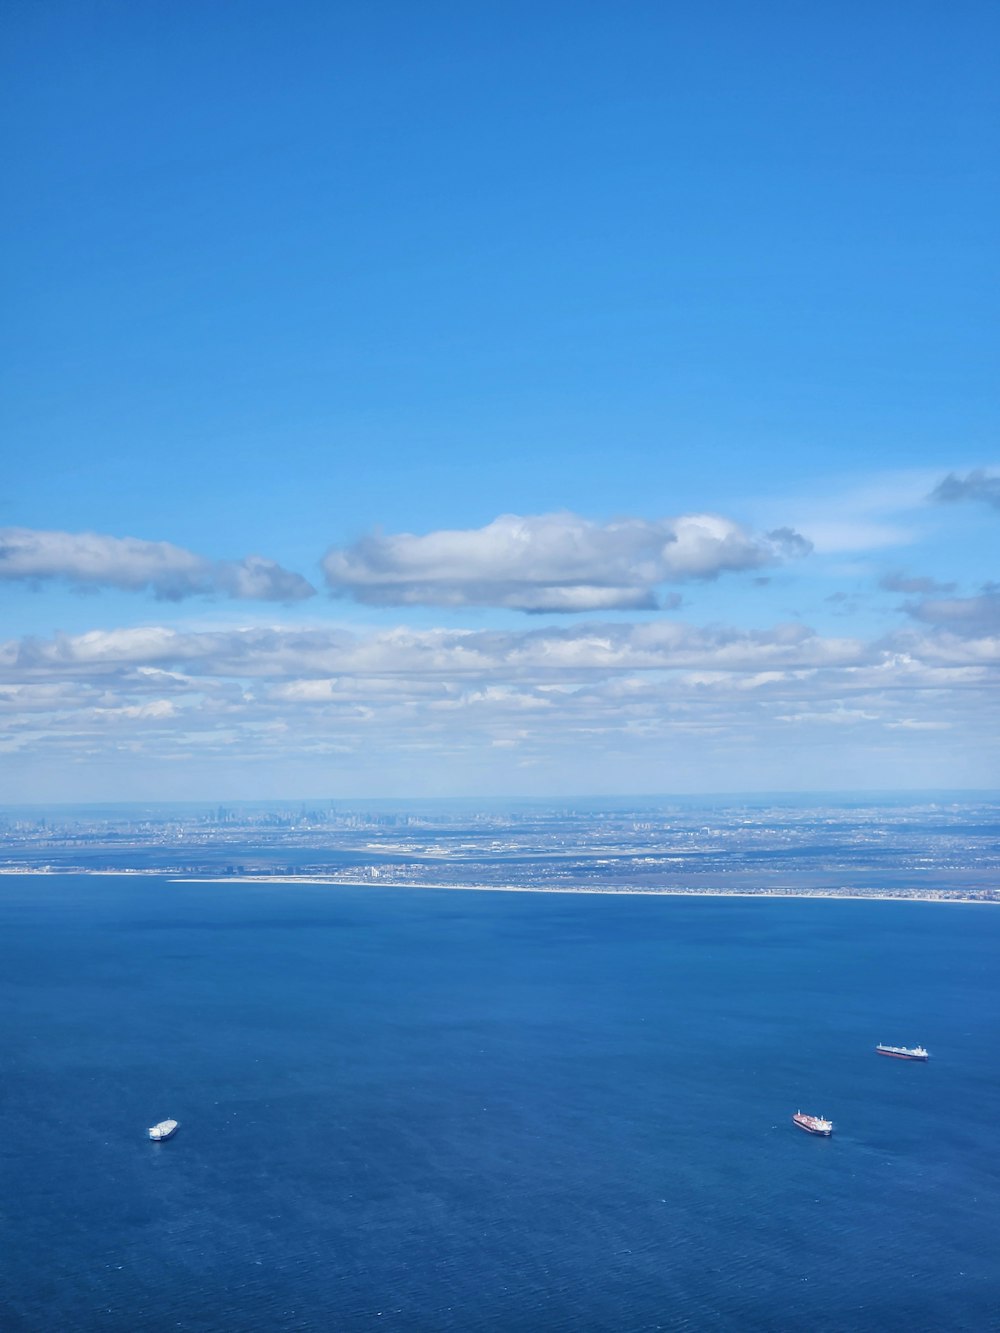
814 1124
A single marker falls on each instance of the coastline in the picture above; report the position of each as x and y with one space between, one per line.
875 896
944 896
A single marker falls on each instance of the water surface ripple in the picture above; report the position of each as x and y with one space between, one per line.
419 1110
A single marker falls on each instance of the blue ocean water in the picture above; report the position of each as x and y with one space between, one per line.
419 1110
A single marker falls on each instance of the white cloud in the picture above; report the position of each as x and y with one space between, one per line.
551 562
850 535
96 560
572 700
898 581
282 653
976 485
973 616
852 515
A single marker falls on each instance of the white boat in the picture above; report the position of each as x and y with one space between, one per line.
166 1129
903 1052
813 1124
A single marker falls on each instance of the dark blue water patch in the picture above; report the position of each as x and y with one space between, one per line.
421 1110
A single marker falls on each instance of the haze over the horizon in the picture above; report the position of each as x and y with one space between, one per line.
416 401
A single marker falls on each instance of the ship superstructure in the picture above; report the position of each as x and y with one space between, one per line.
902 1052
813 1124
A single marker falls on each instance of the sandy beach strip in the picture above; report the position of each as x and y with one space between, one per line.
298 880
876 895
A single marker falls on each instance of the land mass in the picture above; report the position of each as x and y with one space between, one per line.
932 850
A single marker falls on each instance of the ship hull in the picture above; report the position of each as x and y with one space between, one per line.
820 1133
898 1055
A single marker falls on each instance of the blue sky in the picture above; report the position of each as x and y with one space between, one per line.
681 321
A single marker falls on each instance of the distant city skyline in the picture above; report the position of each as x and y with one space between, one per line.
917 849
418 402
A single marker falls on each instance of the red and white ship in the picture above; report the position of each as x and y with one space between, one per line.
814 1124
902 1052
